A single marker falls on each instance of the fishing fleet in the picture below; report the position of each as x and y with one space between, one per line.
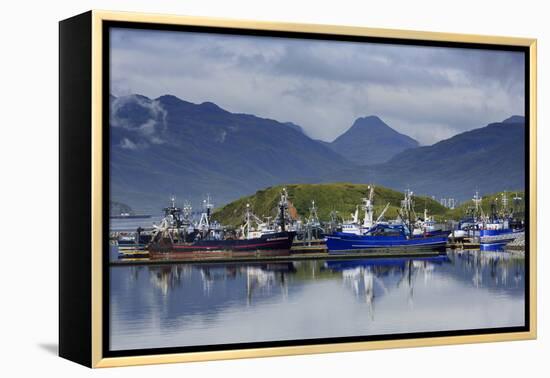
180 234
177 236
502 225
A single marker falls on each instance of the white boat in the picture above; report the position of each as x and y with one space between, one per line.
355 226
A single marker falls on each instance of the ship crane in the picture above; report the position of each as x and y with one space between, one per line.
204 223
355 215
250 217
382 213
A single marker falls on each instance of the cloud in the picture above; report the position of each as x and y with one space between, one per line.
426 92
143 118
128 144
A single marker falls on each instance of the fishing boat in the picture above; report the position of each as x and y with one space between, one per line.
427 226
383 236
133 240
501 227
471 223
499 232
210 239
310 232
355 226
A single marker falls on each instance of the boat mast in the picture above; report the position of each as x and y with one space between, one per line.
409 202
247 224
478 209
283 204
368 207
494 211
172 213
505 204
515 205
187 212
407 208
313 217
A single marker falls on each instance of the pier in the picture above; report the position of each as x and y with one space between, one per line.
314 250
464 244
291 257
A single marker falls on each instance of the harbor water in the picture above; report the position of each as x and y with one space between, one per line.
153 306
131 224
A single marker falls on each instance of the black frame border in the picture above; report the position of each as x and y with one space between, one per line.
107 25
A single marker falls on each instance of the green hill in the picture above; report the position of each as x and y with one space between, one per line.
341 197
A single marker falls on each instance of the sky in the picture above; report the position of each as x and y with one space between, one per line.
428 93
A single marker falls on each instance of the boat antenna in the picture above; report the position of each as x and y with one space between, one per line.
248 221
282 206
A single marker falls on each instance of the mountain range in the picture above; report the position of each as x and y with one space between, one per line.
167 146
489 159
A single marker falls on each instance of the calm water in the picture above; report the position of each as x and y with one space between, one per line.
123 224
201 304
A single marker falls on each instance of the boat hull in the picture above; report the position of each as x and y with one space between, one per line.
275 244
343 244
498 236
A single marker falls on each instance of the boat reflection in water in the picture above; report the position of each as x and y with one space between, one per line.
219 303
376 277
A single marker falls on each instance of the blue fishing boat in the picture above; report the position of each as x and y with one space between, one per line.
501 228
499 233
384 237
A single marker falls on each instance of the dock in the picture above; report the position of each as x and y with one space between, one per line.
466 244
303 250
318 246
283 258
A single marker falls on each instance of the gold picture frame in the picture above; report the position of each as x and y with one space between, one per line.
90 328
